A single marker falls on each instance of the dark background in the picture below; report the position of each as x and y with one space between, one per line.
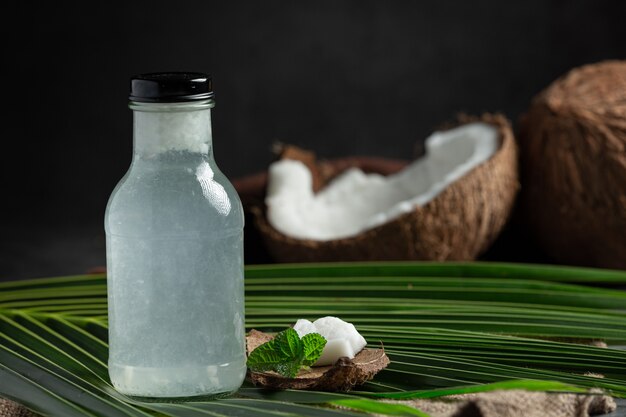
338 77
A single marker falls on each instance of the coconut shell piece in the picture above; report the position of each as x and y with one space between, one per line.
573 148
344 375
458 224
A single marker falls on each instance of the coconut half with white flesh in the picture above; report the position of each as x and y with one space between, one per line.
448 205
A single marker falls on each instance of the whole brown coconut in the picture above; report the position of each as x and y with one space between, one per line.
574 166
458 224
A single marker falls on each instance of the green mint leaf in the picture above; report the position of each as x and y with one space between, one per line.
288 369
265 357
313 346
289 344
286 354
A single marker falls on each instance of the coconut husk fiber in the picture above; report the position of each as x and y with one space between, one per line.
573 148
343 375
458 224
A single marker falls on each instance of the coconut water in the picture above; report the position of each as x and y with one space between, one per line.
175 261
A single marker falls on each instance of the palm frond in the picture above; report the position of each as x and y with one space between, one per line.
448 328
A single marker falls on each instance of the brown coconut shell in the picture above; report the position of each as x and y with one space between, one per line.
573 144
458 224
344 375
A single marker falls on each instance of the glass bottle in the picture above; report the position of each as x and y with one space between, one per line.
174 231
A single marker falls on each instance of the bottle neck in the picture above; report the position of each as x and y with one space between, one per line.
162 129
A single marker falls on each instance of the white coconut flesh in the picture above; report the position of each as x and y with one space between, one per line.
342 338
354 201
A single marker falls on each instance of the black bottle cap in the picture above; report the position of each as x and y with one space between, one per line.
170 87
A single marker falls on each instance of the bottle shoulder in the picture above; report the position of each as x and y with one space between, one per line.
174 199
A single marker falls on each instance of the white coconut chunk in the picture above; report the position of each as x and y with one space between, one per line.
333 350
335 328
331 327
354 201
304 326
342 338
357 341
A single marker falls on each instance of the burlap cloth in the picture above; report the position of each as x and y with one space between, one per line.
11 409
515 403
511 403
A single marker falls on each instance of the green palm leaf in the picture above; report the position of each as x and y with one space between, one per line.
448 328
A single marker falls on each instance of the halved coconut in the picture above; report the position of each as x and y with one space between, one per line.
574 166
458 222
251 188
343 375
